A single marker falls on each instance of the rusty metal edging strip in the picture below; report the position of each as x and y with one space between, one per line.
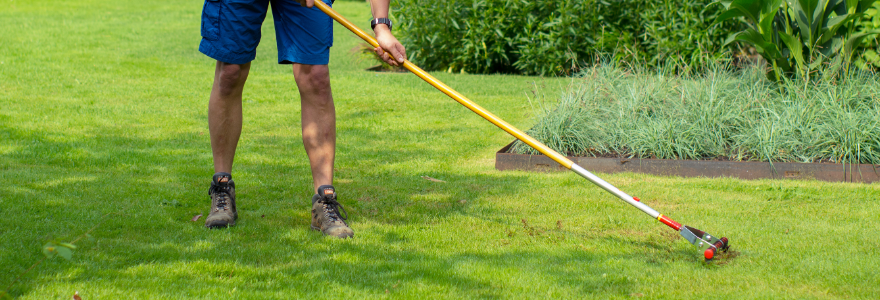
864 173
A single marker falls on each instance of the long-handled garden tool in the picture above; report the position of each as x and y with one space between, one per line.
711 244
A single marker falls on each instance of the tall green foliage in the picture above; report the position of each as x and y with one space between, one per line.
868 55
551 37
799 36
681 30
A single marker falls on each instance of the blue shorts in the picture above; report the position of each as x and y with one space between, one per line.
231 31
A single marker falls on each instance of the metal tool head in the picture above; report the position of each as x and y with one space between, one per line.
703 240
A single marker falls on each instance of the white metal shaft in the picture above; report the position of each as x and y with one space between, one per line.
561 159
612 189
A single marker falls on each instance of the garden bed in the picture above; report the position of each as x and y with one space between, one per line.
864 173
719 122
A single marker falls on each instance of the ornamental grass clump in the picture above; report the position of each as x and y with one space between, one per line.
716 114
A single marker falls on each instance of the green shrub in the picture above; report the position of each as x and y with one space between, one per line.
800 37
719 114
868 54
534 37
681 30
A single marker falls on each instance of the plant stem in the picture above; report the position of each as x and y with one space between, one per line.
84 234
6 292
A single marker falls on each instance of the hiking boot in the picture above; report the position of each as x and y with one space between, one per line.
325 214
222 193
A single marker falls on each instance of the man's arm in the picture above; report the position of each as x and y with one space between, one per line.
387 42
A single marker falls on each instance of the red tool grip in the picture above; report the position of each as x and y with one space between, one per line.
669 222
719 245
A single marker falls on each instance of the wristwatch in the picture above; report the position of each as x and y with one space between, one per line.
378 21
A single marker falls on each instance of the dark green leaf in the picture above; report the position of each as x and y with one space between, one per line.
766 24
728 14
796 48
854 41
803 15
864 5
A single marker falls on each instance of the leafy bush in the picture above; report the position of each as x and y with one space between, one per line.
868 54
800 37
681 31
534 37
720 114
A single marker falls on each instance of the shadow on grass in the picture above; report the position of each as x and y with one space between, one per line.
358 269
153 242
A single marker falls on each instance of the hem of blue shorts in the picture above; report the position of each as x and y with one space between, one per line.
304 59
207 48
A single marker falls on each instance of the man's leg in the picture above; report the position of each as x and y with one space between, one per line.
318 120
224 113
319 138
224 123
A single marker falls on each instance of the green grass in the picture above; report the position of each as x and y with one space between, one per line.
720 113
103 111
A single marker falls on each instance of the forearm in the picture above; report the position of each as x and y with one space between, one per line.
390 49
379 8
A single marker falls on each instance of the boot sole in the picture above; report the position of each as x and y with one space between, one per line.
322 232
213 226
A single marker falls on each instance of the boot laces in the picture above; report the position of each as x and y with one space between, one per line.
333 208
221 193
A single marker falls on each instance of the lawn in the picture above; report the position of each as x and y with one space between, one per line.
103 123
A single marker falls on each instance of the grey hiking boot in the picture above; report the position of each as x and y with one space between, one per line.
325 214
222 193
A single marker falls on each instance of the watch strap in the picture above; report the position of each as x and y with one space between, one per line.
377 21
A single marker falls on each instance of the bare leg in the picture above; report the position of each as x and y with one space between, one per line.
224 113
318 120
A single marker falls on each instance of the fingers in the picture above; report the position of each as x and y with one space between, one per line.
307 3
395 54
399 52
385 56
